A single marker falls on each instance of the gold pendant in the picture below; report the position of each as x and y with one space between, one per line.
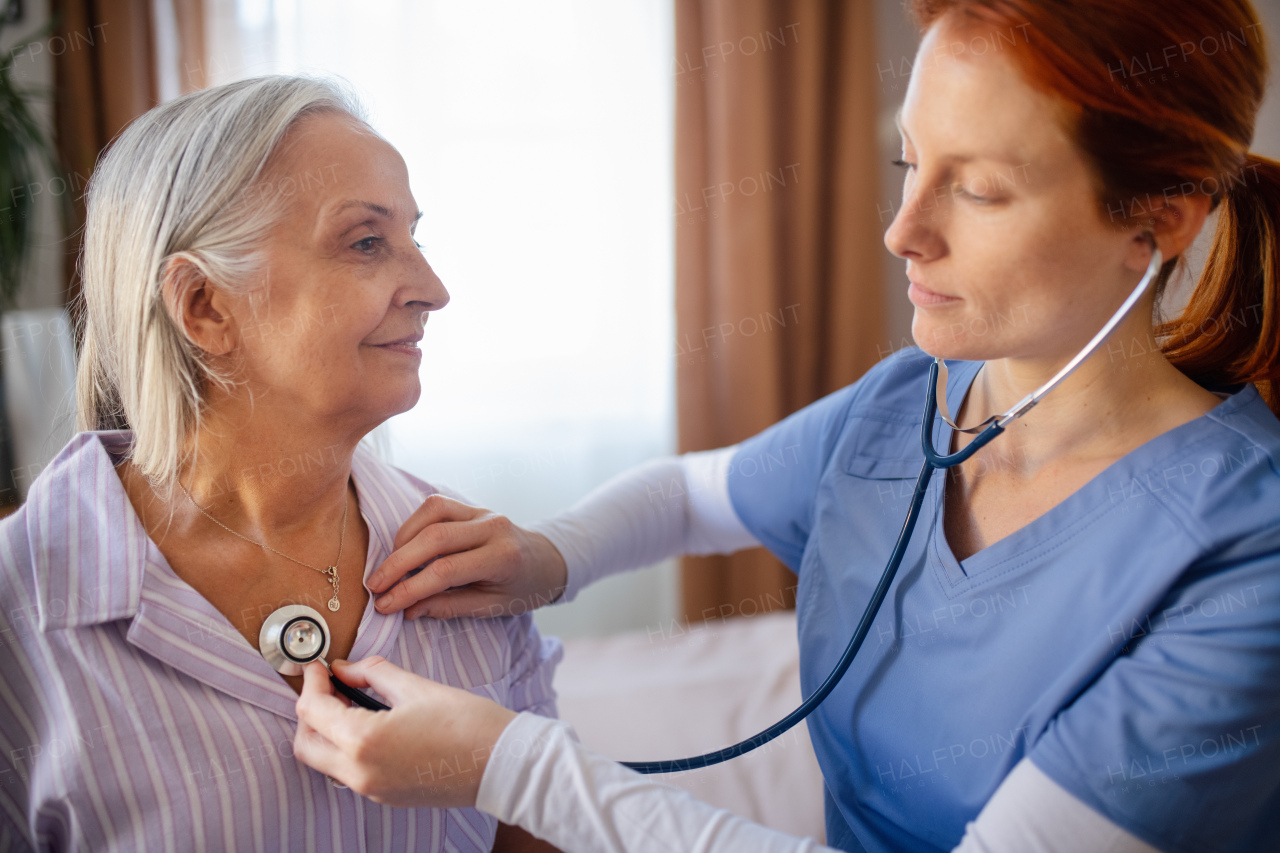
333 580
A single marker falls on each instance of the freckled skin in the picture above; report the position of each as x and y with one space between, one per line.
1001 214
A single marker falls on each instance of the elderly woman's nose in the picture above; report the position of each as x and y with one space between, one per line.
424 286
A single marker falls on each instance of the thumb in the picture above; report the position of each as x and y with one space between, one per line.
379 673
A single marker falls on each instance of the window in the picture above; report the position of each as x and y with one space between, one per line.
538 141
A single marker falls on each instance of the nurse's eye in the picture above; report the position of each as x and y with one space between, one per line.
903 164
960 191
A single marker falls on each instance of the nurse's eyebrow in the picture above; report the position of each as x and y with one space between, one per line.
955 158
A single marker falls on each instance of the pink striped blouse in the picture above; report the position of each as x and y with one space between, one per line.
133 716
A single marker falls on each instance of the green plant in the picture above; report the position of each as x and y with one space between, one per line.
26 152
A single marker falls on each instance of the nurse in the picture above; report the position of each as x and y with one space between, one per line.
1081 650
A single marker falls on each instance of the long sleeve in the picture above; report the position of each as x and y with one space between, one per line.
664 508
540 778
543 780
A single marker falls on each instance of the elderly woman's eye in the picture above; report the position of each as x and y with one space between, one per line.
368 245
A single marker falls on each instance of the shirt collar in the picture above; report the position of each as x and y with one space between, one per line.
89 550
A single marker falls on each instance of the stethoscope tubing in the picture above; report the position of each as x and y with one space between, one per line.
932 461
357 697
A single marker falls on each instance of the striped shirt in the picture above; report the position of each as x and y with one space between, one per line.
134 716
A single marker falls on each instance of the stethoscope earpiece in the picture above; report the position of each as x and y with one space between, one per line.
295 635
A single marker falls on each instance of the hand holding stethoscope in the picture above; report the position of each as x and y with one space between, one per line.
383 757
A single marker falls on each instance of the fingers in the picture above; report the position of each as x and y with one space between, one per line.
440 539
319 708
464 601
315 709
435 509
458 566
377 672
313 749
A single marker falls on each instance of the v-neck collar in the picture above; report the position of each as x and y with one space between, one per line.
1061 522
173 622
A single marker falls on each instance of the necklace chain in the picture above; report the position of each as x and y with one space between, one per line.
331 572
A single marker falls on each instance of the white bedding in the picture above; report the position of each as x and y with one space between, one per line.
676 690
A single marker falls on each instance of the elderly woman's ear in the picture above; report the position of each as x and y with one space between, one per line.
201 310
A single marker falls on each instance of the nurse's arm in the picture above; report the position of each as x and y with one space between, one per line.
443 747
484 565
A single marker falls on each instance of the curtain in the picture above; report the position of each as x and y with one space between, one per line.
116 57
778 237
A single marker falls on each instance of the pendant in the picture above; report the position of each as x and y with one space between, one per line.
333 579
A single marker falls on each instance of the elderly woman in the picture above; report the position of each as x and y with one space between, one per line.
253 301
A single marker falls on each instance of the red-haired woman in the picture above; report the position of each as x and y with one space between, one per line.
1082 648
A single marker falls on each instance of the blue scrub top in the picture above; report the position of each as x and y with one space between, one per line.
1128 640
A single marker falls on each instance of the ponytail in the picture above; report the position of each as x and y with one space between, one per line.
1229 333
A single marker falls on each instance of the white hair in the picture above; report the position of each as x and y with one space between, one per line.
182 182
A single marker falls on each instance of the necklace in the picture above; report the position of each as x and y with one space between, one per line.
331 572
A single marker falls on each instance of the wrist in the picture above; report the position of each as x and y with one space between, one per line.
508 775
549 555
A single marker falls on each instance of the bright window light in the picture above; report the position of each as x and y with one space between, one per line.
538 138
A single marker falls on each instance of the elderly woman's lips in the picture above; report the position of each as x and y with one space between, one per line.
405 347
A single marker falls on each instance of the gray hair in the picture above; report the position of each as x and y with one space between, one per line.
182 182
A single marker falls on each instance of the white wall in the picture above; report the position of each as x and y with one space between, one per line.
538 142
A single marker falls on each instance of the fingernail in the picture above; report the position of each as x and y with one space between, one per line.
381 603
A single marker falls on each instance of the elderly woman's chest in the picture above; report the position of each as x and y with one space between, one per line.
133 755
249 586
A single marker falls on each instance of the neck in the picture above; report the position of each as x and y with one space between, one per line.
273 481
1126 391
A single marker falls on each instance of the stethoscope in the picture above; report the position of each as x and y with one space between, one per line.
935 401
295 635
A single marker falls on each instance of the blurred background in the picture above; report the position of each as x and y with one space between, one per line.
661 225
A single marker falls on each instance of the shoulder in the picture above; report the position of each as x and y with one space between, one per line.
75 507
390 494
896 386
1222 476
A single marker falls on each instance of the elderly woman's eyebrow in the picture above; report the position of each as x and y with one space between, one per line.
386 212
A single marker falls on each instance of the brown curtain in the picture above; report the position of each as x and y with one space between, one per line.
105 77
778 237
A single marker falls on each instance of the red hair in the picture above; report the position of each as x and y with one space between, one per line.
1163 97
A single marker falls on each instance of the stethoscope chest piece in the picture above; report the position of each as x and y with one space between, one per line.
293 637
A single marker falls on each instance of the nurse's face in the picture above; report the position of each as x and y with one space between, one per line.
1008 252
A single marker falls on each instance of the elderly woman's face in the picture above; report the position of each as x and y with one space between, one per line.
346 289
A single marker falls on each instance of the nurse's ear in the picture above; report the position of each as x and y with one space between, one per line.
201 311
1176 222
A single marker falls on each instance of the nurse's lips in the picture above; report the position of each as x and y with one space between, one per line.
923 297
